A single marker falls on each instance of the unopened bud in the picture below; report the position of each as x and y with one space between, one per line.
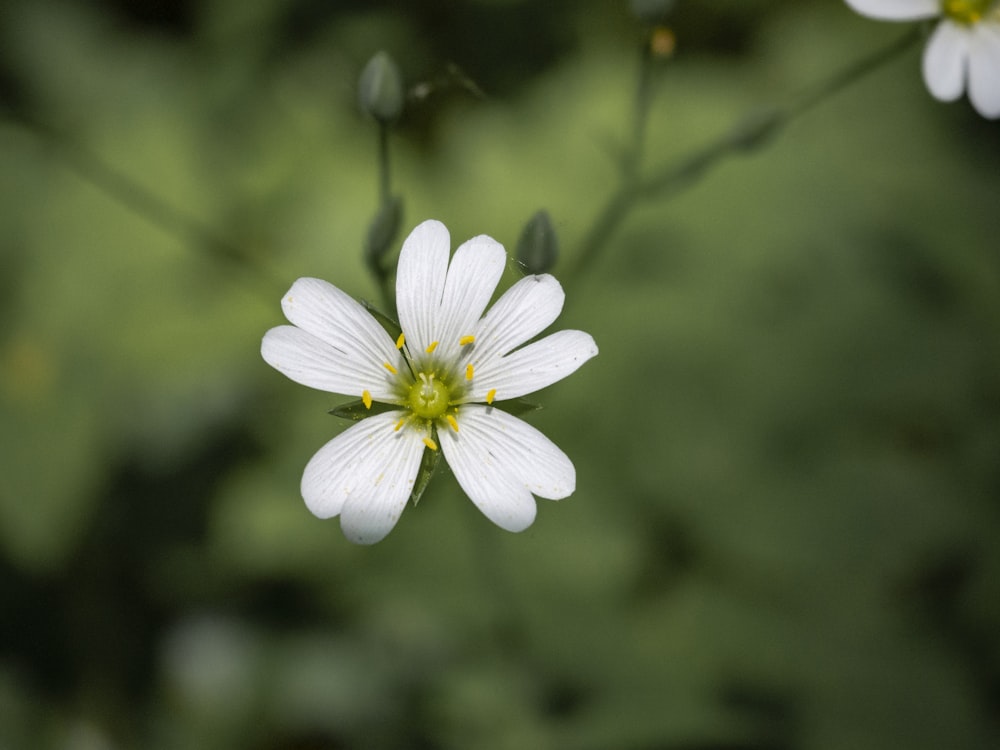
382 231
380 88
538 246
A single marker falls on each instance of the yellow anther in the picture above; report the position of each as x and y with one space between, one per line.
469 369
491 395
367 398
389 367
430 349
399 425
466 340
400 341
430 444
453 422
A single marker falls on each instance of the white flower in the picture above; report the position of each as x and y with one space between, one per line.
440 380
963 50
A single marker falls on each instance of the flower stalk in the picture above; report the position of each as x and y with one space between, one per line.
753 131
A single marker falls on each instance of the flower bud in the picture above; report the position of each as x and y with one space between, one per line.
538 246
380 88
651 11
382 231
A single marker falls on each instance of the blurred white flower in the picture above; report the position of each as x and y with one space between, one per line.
964 50
439 380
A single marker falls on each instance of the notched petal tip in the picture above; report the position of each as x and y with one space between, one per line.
472 278
502 462
526 309
365 476
420 280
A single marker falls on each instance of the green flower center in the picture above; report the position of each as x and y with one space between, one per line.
428 397
965 11
433 397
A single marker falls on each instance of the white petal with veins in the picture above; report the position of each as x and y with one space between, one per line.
365 475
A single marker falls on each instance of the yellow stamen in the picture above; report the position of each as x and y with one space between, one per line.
400 341
389 367
399 425
453 422
432 347
430 444
469 369
491 395
367 398
466 340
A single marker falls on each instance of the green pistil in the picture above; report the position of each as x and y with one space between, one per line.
428 397
966 12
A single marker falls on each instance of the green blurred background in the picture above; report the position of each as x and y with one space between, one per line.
785 532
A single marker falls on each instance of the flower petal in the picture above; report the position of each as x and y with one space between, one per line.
984 69
896 10
339 346
489 481
945 59
309 361
473 276
338 319
420 281
525 310
523 451
533 367
365 475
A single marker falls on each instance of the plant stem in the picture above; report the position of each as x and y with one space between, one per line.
749 133
383 164
375 256
144 202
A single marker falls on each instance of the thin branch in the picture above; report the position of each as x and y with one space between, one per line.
751 132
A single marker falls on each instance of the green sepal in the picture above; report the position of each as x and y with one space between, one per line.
390 325
515 406
356 410
428 465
